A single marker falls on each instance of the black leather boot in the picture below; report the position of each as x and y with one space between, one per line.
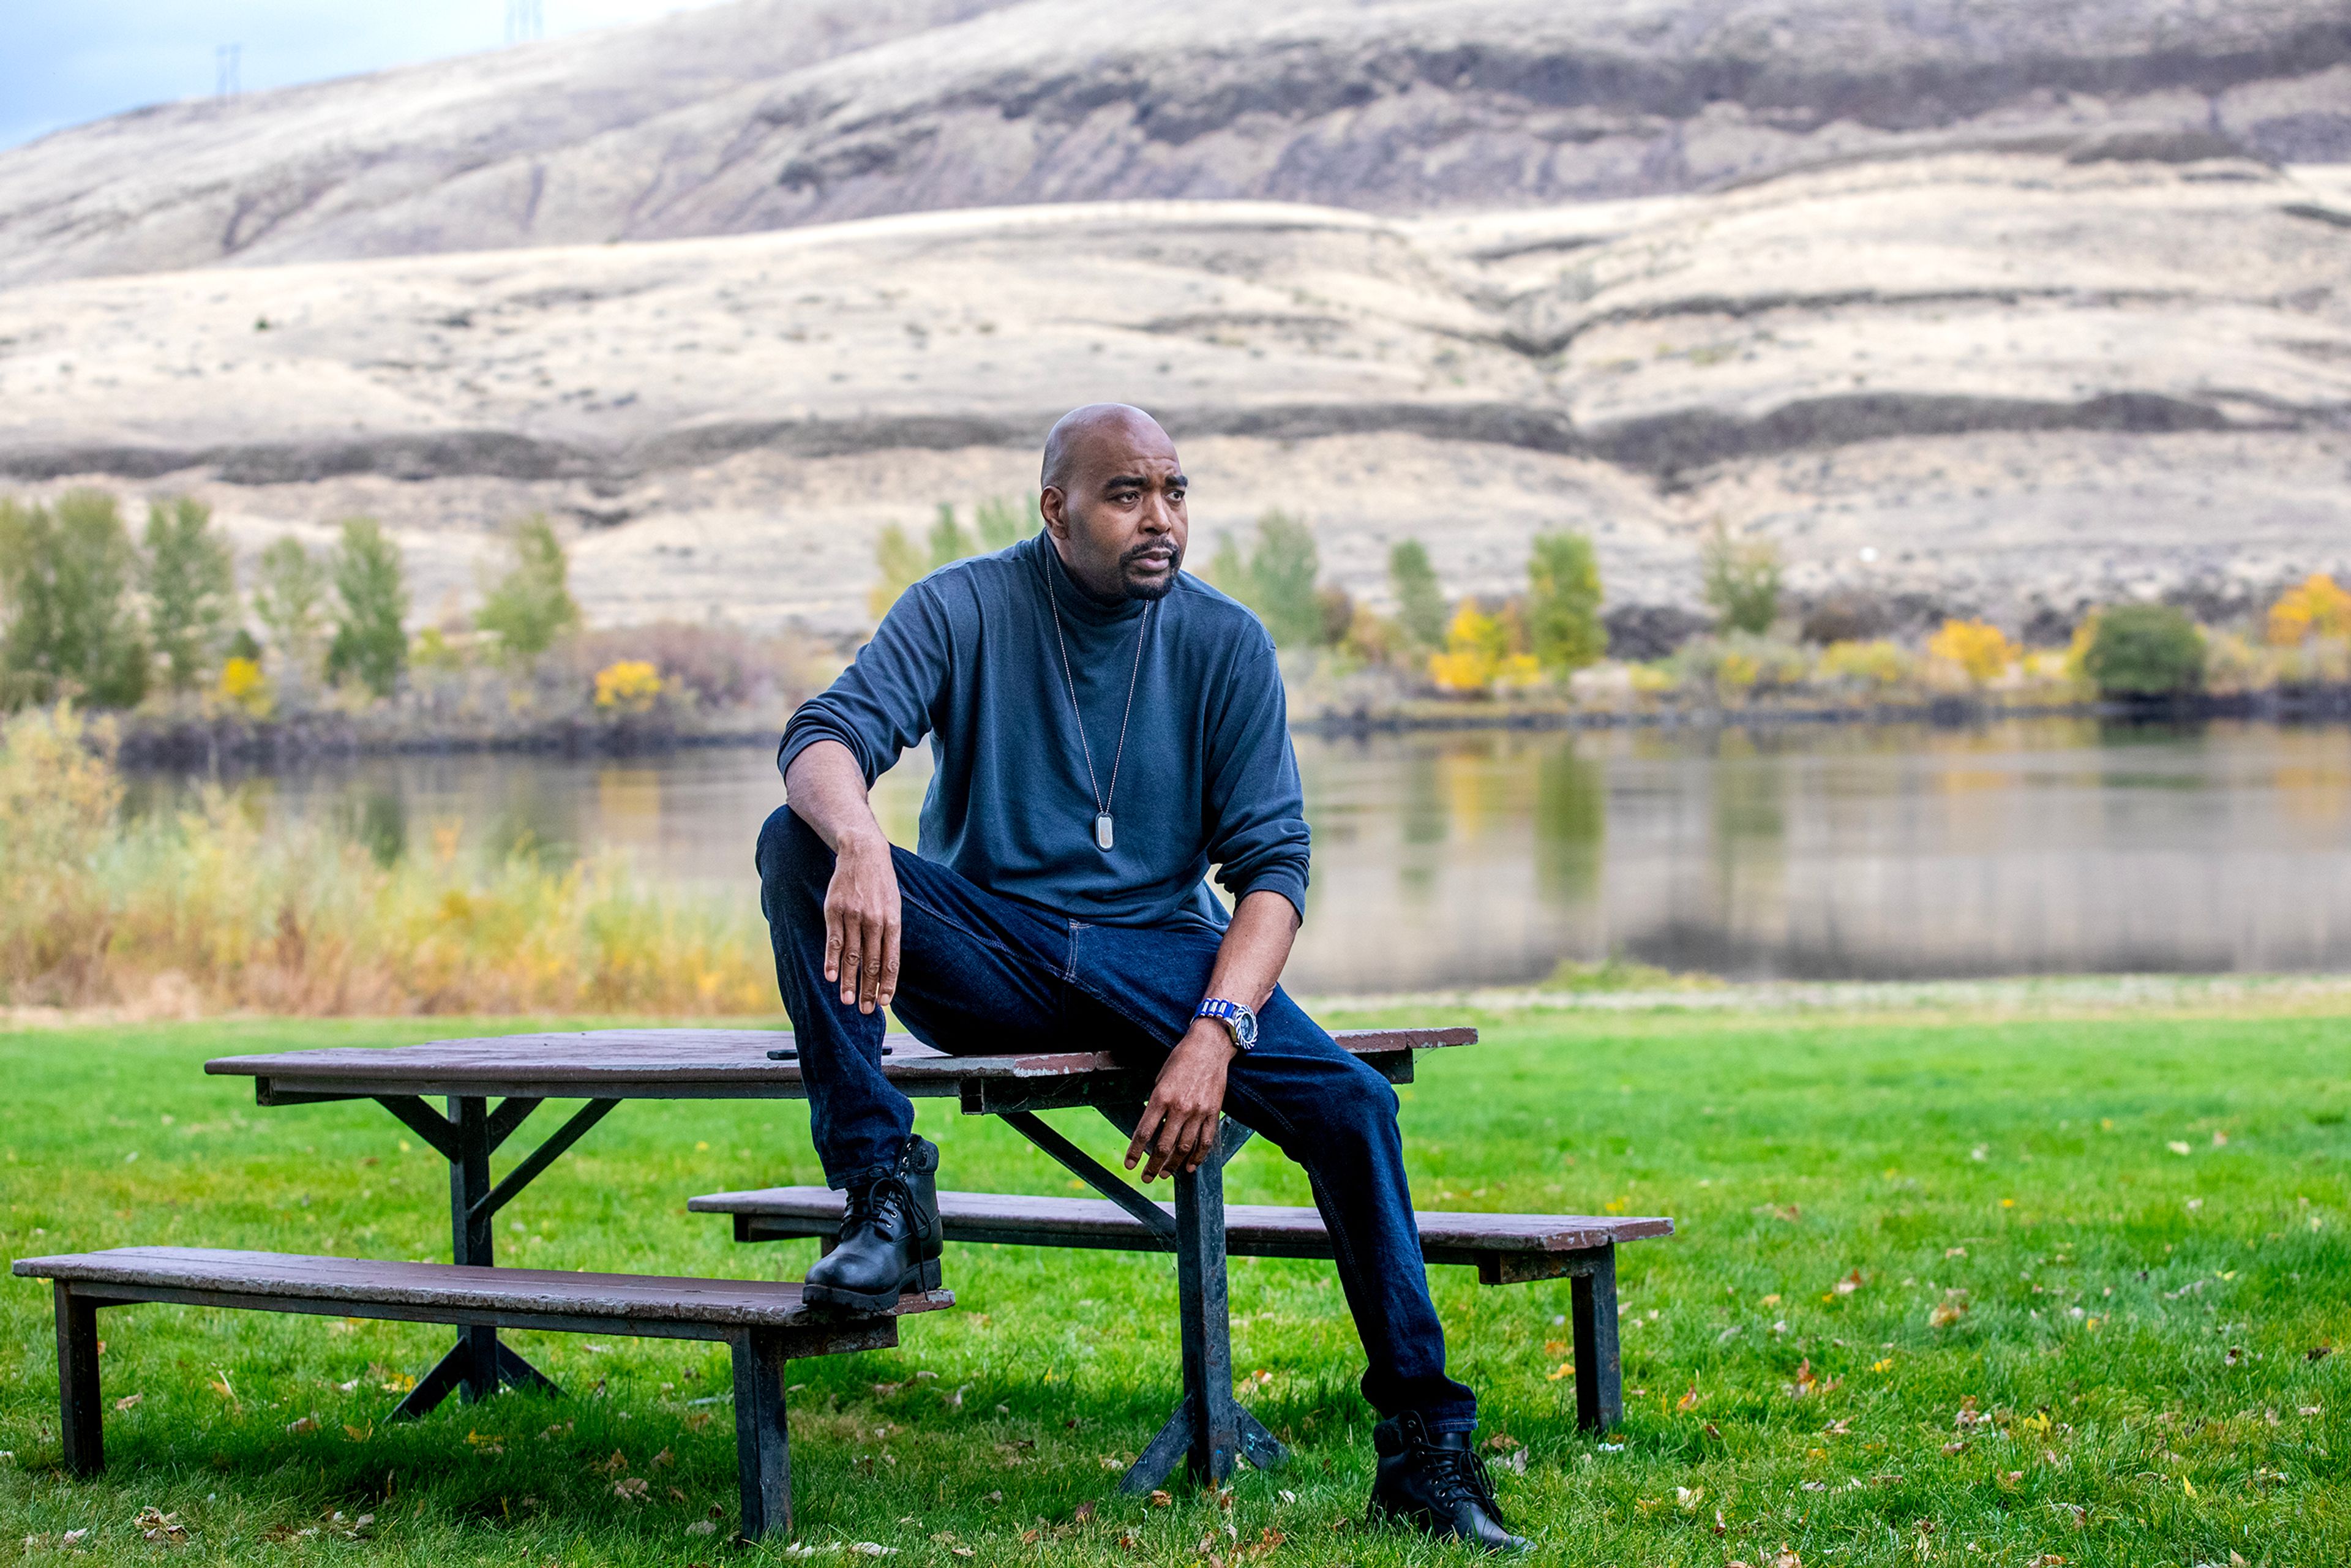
889 1242
1435 1481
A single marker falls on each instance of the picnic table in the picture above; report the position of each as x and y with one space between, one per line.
605 1067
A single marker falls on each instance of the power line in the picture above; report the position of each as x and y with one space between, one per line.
525 21
226 58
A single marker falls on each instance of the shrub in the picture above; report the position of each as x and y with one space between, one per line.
717 668
630 686
1742 580
1482 651
2145 650
289 600
1564 602
1420 598
531 606
244 686
65 582
1877 664
370 645
2314 607
1975 646
190 584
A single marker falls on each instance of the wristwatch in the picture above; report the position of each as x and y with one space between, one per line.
1238 1021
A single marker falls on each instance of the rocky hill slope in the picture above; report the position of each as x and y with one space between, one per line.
1968 380
770 114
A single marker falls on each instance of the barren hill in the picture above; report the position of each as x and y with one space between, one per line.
768 114
1968 380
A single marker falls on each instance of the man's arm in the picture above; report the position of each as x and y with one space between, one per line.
826 787
1188 1100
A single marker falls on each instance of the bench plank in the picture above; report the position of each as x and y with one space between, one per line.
1251 1230
765 1322
676 1064
642 1305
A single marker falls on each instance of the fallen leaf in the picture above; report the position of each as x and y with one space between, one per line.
1502 1443
1564 1369
1787 1558
1027 1538
702 1526
2176 1147
1085 1513
1161 1499
1849 1284
1688 1401
1555 1347
128 1401
634 1488
303 1423
966 1551
1948 1310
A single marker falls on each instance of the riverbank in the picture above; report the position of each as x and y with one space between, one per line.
193 738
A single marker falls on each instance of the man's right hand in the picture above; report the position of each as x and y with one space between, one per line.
862 922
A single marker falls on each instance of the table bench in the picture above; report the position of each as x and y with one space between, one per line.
763 1322
1209 1428
1505 1250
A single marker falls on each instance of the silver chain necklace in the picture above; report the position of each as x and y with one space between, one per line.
1104 835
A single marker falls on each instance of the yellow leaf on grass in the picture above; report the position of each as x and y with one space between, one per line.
1564 1369
1688 1401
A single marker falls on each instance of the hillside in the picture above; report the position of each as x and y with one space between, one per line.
768 114
1966 381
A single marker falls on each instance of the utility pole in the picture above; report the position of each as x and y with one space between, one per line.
525 21
226 58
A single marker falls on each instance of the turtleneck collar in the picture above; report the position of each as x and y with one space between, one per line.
1077 604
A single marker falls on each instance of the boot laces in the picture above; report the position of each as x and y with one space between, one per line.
881 1201
1461 1473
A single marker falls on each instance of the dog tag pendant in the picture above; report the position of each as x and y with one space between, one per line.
1103 832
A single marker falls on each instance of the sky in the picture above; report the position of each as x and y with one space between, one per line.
66 62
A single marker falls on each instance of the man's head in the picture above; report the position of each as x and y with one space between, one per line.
1113 501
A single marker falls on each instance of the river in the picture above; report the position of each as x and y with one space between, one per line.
1487 858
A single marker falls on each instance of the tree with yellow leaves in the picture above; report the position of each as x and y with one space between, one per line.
1980 649
2316 607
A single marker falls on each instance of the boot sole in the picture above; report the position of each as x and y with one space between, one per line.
925 1276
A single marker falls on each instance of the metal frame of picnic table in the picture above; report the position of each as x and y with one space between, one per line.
1208 1427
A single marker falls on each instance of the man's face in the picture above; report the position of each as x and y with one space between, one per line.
1120 523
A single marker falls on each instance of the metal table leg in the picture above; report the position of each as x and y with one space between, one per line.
466 1137
1209 1428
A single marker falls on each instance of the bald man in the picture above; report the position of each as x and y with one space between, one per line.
1105 730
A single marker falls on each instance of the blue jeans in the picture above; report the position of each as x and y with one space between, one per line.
982 974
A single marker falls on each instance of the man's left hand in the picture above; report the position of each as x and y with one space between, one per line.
1179 1126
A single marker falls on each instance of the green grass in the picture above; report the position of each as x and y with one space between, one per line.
2025 1162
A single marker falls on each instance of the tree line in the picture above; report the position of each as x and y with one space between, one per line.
92 614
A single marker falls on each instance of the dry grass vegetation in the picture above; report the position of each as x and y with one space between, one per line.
206 911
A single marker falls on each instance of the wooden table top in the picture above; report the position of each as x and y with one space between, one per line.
690 1064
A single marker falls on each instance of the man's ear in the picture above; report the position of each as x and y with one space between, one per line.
1052 504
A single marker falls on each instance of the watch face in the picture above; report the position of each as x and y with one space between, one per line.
1245 1027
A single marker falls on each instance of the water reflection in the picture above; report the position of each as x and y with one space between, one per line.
1487 858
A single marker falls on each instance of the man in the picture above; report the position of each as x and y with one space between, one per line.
1105 729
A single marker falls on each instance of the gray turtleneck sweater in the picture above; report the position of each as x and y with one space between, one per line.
967 657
